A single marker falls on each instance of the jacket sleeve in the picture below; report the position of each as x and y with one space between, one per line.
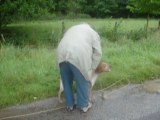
97 51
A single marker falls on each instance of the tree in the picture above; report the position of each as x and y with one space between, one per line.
145 6
122 11
105 7
61 6
6 11
24 9
87 7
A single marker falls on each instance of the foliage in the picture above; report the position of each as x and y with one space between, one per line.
121 10
12 10
16 10
145 6
105 8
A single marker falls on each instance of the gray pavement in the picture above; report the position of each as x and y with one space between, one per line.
130 102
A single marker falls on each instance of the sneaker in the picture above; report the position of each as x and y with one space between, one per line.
70 108
85 109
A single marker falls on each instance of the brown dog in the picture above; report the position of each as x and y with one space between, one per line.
102 67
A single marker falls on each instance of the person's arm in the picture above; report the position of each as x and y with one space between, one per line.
97 52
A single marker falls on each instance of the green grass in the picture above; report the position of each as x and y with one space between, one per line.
38 33
28 71
132 62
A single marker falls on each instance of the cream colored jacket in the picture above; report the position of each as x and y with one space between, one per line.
81 46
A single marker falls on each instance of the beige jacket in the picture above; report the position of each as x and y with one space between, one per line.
81 47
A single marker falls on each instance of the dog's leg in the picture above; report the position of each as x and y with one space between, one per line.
93 79
90 93
60 91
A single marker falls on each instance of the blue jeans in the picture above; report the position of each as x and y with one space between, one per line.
69 73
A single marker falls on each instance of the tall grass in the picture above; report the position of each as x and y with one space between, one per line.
132 62
28 71
27 74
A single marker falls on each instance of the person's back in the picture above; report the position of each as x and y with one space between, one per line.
77 47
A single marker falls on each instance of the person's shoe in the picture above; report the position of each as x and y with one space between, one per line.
70 108
85 109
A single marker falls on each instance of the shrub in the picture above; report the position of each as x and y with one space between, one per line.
112 33
32 35
136 34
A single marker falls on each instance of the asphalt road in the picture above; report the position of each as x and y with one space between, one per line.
130 102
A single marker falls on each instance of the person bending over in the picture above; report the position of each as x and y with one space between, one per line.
79 53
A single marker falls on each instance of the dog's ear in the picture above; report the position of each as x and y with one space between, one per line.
103 67
100 68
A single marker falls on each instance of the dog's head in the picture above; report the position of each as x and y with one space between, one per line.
103 67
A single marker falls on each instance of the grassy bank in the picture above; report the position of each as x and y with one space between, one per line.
29 72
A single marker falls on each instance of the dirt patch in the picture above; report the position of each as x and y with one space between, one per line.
152 86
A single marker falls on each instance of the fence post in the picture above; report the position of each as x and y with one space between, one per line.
63 29
159 25
3 38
